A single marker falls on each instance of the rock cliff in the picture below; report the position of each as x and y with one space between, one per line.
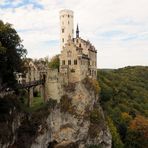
76 121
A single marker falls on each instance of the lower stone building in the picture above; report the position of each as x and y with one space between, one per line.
78 60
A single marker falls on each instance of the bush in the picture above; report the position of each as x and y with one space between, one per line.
66 104
91 84
95 116
54 62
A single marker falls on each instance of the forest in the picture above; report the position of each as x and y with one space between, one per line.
124 98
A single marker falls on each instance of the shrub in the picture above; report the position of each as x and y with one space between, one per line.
95 116
54 62
91 84
66 104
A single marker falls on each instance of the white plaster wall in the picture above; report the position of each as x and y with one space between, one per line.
66 23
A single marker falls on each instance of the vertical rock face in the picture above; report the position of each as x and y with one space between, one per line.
10 121
77 121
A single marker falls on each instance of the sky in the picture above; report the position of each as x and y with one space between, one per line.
117 28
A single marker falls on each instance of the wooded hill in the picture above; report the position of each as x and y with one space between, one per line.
124 98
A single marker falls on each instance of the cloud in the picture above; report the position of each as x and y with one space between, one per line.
118 29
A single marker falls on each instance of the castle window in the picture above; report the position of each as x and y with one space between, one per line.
63 62
69 62
75 62
68 15
63 40
79 45
63 30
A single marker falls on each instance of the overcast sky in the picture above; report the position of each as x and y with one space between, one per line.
117 28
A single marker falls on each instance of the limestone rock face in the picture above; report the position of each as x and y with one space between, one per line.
72 122
75 121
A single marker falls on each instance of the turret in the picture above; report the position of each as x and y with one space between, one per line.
77 32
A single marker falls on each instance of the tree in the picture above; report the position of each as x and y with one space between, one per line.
138 132
11 54
116 141
54 62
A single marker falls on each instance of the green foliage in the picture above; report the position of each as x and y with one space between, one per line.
116 141
95 116
91 84
11 54
124 95
9 107
137 135
54 62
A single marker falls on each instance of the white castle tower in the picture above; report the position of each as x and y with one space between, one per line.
66 26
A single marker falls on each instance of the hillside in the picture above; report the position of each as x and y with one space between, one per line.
124 98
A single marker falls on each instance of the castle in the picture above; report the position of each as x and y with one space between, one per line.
78 58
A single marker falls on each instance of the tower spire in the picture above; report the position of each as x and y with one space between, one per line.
77 31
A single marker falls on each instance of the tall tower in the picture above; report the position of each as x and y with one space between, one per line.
66 26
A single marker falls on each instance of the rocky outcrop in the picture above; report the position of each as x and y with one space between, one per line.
10 120
76 121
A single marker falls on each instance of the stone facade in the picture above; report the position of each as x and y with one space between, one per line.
78 58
